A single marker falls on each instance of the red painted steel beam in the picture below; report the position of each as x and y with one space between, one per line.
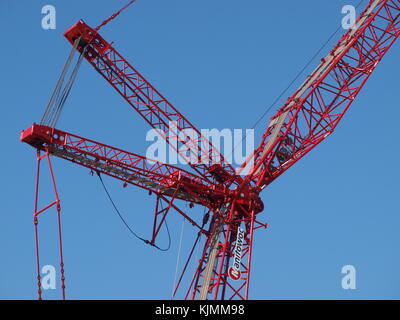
131 168
313 112
308 117
154 108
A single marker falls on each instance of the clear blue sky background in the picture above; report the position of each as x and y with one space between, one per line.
221 63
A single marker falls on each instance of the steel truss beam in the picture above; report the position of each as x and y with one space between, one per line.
154 108
308 117
313 112
130 168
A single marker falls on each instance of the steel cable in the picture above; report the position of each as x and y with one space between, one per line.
66 91
127 225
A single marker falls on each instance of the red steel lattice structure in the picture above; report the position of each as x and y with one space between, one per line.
309 116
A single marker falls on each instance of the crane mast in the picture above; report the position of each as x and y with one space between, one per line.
309 116
233 202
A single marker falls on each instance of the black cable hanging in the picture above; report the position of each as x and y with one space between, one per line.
126 224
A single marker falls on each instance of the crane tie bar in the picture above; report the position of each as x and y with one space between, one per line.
60 95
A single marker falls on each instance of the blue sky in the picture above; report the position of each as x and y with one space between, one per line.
221 63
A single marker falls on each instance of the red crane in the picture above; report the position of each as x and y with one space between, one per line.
233 202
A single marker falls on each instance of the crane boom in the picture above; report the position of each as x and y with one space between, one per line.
125 166
312 113
308 117
150 104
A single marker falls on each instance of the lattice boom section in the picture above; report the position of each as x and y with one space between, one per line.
120 164
312 116
226 284
192 146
